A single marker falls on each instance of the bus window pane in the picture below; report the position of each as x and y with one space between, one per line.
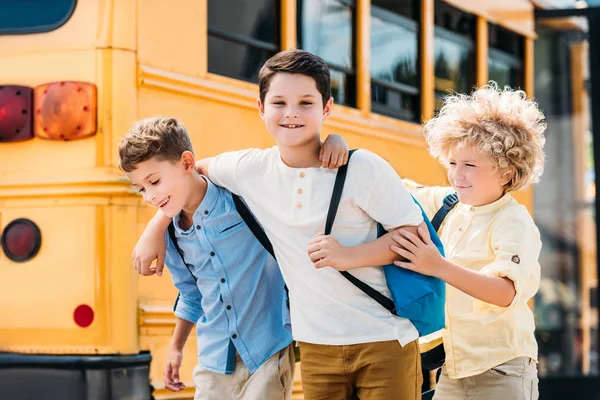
505 59
325 29
394 103
257 19
34 16
394 50
452 65
235 60
342 88
566 308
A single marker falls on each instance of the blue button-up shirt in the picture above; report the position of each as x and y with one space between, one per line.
238 301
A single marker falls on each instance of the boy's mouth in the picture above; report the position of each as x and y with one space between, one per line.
164 202
291 126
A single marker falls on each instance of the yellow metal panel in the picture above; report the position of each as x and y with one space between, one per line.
288 24
529 63
172 35
427 60
516 15
363 57
482 51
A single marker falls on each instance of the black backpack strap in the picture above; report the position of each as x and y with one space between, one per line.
338 187
257 231
449 202
254 226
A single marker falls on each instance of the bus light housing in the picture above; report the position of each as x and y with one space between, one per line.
21 240
65 110
15 113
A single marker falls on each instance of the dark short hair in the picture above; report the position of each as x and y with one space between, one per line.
296 62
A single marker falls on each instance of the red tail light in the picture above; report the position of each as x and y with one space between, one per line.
65 110
21 240
15 113
83 315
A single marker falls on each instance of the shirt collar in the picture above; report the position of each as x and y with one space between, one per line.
496 205
204 209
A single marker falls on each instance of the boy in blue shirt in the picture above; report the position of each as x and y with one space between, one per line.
229 285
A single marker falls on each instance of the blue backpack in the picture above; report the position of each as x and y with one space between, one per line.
416 297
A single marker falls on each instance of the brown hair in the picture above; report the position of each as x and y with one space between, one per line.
500 122
163 138
296 62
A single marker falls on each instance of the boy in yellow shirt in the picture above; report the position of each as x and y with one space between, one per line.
492 144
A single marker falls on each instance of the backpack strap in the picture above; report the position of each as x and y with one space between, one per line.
449 202
257 231
338 187
254 226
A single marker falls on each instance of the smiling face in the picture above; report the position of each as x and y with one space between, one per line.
293 110
163 184
474 178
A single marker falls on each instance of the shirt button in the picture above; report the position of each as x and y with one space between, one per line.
300 191
460 229
229 307
198 227
205 212
302 174
234 336
212 253
299 205
472 209
222 280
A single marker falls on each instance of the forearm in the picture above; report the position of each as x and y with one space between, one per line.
159 223
377 252
202 166
180 334
490 289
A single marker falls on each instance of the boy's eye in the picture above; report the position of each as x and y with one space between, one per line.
452 163
305 103
155 182
278 103
470 165
141 190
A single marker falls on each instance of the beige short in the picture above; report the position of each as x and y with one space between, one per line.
273 380
515 379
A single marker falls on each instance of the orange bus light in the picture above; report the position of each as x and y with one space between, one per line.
83 315
65 110
15 113
21 240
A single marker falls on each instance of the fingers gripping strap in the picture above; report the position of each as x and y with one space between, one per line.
338 187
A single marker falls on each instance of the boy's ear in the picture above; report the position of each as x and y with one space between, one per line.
188 161
261 108
327 109
507 176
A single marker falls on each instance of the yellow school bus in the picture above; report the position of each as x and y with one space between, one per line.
76 321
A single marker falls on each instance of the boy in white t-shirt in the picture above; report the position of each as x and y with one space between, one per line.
350 345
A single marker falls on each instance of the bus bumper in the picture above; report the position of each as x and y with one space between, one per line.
75 377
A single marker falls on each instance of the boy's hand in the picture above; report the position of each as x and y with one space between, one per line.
149 247
424 257
172 382
334 152
325 251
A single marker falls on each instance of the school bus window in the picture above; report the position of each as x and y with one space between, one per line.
394 59
454 48
34 16
326 28
505 56
242 35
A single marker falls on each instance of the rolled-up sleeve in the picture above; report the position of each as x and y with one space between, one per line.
516 243
188 306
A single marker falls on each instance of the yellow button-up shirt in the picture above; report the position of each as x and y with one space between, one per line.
497 239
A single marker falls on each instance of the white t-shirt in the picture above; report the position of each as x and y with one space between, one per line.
291 204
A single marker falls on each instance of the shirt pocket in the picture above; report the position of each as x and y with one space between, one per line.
229 226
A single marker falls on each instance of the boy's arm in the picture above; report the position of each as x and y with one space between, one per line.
175 355
151 246
326 251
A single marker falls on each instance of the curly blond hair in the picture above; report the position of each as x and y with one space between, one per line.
502 123
160 137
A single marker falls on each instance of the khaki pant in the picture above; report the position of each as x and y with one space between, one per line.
515 380
271 381
369 371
